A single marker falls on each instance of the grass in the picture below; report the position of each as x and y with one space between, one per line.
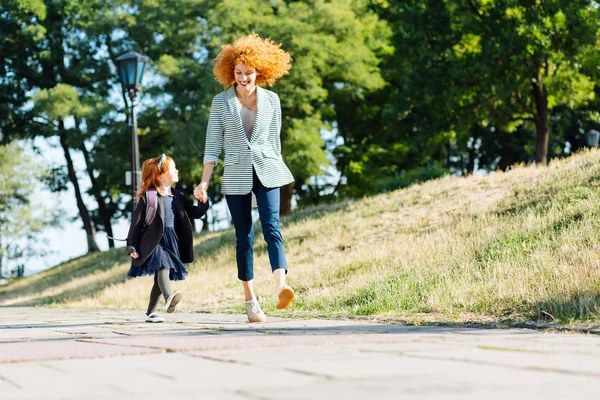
520 245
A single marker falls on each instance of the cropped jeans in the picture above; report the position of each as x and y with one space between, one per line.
240 208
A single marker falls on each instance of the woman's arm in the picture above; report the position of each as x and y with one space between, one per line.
201 191
214 133
213 147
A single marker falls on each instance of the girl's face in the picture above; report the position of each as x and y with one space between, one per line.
171 176
245 77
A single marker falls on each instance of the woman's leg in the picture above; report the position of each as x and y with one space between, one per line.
248 290
279 275
240 209
268 210
154 296
241 215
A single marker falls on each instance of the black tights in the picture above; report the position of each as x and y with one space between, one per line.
162 285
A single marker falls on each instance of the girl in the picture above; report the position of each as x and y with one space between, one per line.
245 121
162 246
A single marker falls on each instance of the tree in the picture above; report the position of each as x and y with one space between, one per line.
336 47
470 84
20 220
55 56
530 56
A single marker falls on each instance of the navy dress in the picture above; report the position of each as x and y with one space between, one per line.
166 253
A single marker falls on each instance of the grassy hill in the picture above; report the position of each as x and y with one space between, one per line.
520 245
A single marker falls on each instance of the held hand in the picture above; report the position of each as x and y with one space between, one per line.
134 254
201 192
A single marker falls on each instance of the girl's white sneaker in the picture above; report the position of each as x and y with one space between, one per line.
172 301
154 318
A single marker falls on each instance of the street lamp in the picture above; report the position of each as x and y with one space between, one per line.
131 68
591 138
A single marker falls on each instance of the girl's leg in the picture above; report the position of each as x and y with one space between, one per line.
154 296
162 278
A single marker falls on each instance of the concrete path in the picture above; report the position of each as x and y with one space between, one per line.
71 354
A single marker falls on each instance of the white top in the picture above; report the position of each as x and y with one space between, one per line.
248 118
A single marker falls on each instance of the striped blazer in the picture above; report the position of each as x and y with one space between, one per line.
262 151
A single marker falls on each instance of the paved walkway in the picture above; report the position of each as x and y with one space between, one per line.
69 354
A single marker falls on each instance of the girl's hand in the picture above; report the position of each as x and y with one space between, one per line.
134 254
201 192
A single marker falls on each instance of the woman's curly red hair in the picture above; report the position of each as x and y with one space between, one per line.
270 61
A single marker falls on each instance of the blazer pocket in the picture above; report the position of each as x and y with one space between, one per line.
231 158
269 153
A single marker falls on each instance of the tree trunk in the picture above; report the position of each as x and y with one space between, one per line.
83 212
542 125
102 210
285 199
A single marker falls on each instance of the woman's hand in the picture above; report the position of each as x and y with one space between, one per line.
134 254
201 192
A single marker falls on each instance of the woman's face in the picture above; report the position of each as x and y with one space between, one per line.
171 176
245 77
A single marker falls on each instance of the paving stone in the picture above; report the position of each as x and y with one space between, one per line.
102 354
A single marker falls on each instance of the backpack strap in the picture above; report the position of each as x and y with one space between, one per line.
151 205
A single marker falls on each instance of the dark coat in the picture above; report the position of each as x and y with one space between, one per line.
144 239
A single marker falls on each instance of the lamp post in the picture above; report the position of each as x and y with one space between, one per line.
131 68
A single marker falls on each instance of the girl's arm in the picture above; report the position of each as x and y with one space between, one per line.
192 210
137 226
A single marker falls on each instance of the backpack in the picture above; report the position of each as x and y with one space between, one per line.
151 205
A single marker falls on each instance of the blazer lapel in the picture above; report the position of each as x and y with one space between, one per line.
235 114
261 110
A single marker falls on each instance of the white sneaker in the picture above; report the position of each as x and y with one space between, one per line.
255 314
172 301
154 318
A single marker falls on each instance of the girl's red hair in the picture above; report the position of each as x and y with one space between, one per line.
270 61
151 174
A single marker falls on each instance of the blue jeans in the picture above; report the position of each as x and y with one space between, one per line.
240 208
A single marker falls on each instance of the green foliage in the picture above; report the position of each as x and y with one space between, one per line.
460 87
336 46
412 90
21 221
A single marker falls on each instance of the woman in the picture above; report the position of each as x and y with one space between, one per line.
245 121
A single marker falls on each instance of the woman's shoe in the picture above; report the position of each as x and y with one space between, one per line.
255 314
285 297
154 318
172 301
